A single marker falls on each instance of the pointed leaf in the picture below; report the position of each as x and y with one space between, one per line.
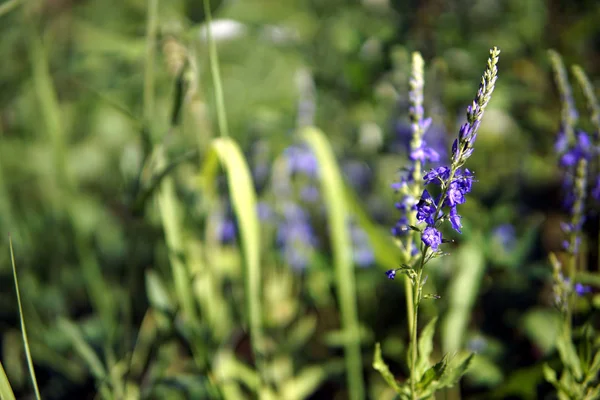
462 294
384 370
304 384
158 295
332 188
594 369
455 370
425 347
433 374
6 392
568 354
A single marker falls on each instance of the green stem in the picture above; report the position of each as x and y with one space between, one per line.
22 317
216 74
416 299
151 29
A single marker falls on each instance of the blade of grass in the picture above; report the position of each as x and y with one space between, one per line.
215 72
22 317
241 189
8 6
462 292
6 392
173 226
88 355
151 30
332 187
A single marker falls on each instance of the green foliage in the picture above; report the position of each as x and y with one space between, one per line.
118 199
332 186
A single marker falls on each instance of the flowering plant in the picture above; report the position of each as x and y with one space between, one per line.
422 221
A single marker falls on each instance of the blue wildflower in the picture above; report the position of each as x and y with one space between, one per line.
581 289
295 236
426 208
505 235
432 237
391 274
455 220
227 230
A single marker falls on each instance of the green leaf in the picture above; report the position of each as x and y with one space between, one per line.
384 370
22 317
425 347
387 253
332 187
568 354
304 384
433 374
485 371
158 295
594 368
457 367
241 189
302 331
550 376
6 392
172 221
542 327
462 293
87 353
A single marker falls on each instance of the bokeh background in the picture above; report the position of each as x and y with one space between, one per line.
107 112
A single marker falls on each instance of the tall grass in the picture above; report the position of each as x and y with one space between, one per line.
23 328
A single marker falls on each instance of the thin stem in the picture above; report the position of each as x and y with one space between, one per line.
151 29
414 339
22 317
216 74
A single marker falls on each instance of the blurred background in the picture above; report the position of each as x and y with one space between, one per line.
107 113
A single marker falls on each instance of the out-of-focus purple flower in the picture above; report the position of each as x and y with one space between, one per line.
361 248
436 139
301 160
227 231
424 154
295 236
505 234
570 155
581 289
477 344
264 211
596 190
309 193
358 174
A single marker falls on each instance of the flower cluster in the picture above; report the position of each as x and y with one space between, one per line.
453 190
410 183
454 181
295 236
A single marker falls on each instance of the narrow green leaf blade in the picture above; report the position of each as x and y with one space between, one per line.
462 293
6 392
332 187
384 370
457 367
241 189
22 317
425 347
